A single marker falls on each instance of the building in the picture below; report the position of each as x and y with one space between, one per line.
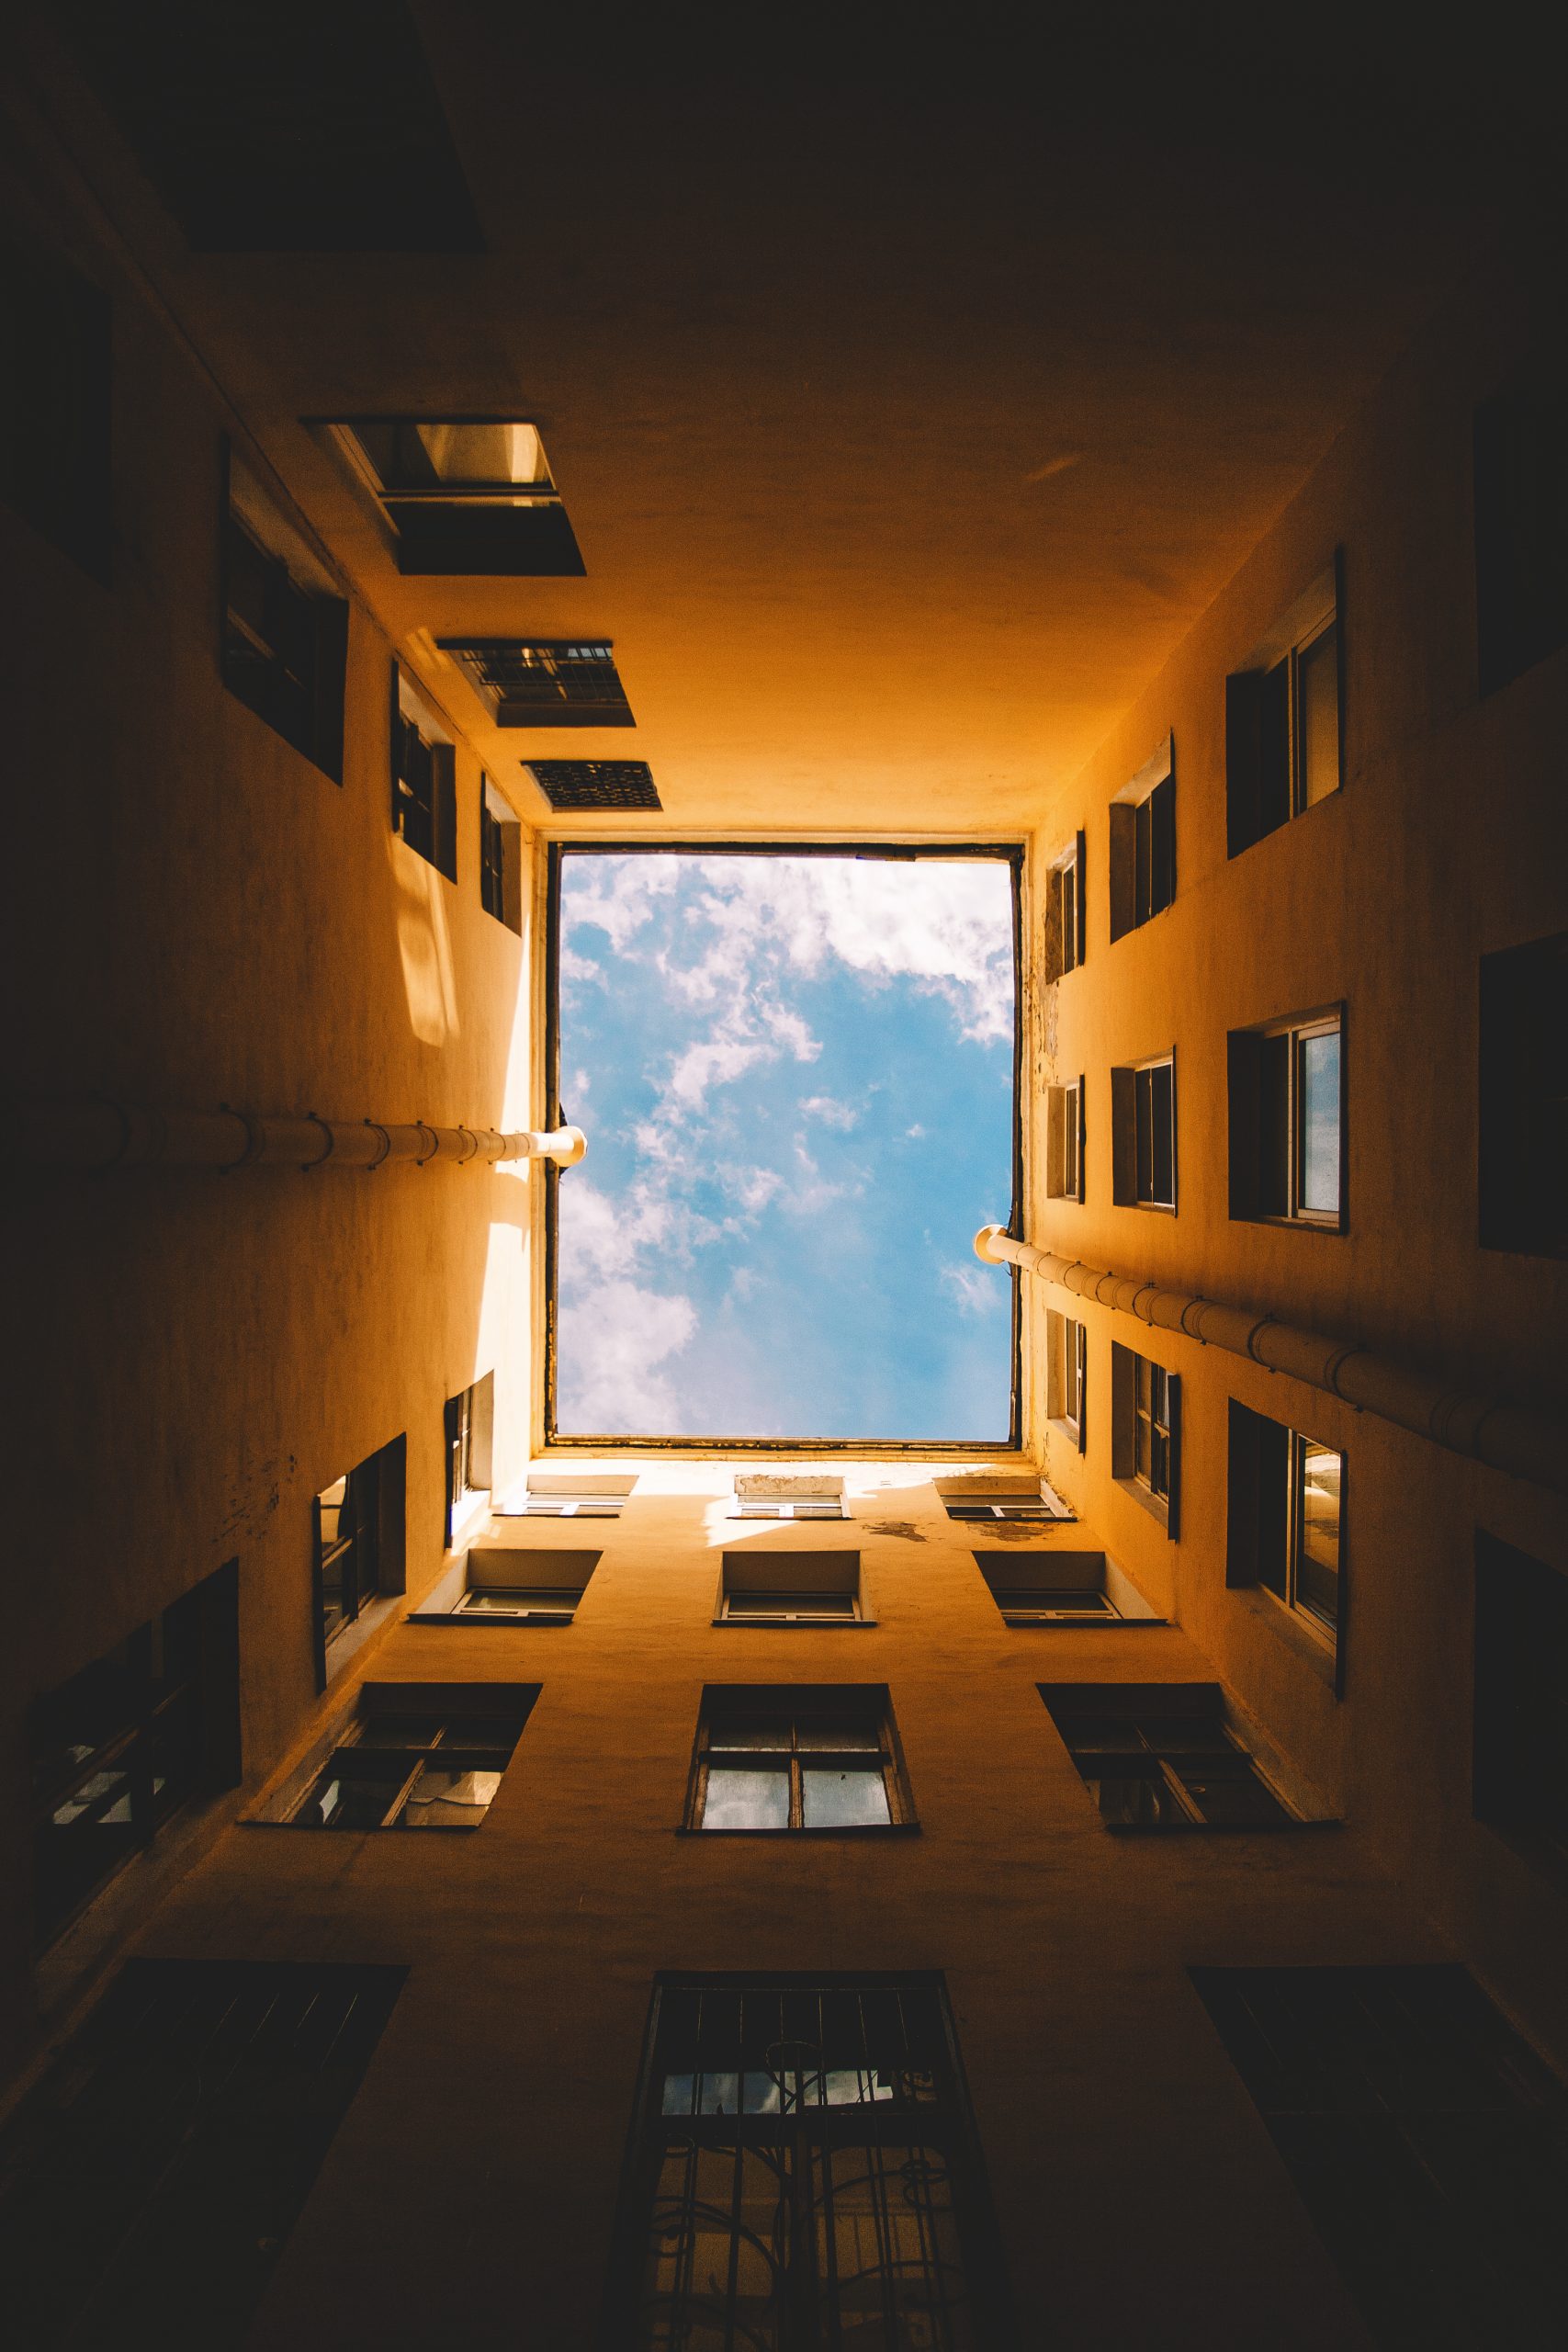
943 452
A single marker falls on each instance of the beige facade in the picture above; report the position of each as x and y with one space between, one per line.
883 556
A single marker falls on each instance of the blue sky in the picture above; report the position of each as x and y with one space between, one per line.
796 1078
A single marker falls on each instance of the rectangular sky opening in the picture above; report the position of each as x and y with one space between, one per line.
796 1071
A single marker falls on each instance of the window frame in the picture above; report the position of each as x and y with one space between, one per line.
448 1703
1216 1742
1066 1375
465 525
1162 1503
1265 1528
468 1424
1263 793
1143 844
1065 912
304 707
423 783
1132 1086
1267 1126
756 1578
865 1707
1065 1141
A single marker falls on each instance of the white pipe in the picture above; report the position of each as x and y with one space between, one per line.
96 1134
1484 1428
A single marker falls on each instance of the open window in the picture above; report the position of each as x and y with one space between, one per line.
500 857
469 1422
1066 1375
463 493
763 1494
543 682
285 647
120 1749
1286 1085
497 1582
1063 1588
1170 1755
1143 843
1283 752
563 1494
767 1588
424 778
358 1549
1002 1498
412 1755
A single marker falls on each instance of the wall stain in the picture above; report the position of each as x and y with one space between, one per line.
900 1527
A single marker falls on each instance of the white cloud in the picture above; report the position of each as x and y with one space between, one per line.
833 1113
975 1290
914 1134
610 1380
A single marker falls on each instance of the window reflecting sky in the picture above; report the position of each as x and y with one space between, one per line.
795 1076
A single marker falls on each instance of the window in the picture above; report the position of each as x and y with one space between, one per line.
1142 1134
1143 844
1521 1695
358 1544
500 858
1064 1142
796 1759
557 1494
1282 721
285 627
425 779
414 1756
544 682
594 784
1425 2138
1287 1126
760 1495
790 1588
1062 1588
1159 1756
803 2147
1064 913
153 2176
469 1419
501 1583
55 401
115 1752
464 495
1066 1375
1001 1498
1146 1405
1524 1099
1521 530
1285 1519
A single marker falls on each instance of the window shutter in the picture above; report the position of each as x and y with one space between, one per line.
1273 1130
1244 1058
1162 825
1243 759
1079 894
1123 1138
1173 1501
1081 1192
1123 868
1124 1438
1055 1154
444 787
1081 1344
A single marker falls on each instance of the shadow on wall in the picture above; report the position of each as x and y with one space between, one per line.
424 946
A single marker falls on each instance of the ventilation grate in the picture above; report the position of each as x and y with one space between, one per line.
595 783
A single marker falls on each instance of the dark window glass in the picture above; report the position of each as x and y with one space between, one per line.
1524 1099
54 407
1162 1770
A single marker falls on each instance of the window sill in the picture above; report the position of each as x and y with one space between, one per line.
1158 1508
1290 1224
507 1625
849 1829
1214 1829
798 1625
346 1645
1078 1624
1315 1649
1151 1208
386 1829
1069 1430
470 1514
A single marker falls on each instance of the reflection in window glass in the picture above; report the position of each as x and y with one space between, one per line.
1319 1114
745 1800
856 1799
1317 1530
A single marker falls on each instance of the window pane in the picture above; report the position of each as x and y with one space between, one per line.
336 1802
1317 1563
1230 1791
448 1800
840 1737
790 1604
1137 1802
746 1799
1163 1150
844 1799
1317 695
1143 1082
1319 1112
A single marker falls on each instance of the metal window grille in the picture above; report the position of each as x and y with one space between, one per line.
543 683
595 783
149 2183
804 2175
